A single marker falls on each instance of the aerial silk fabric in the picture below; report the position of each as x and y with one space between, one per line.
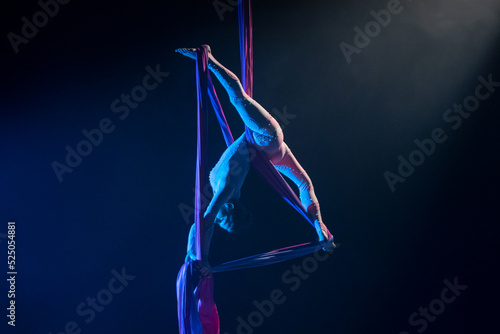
202 142
197 312
246 45
196 309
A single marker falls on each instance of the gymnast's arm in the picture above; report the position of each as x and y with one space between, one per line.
210 216
291 168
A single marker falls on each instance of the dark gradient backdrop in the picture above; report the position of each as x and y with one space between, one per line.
118 209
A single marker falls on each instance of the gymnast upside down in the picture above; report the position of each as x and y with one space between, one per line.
228 175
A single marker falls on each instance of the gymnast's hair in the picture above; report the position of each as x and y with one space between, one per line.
239 215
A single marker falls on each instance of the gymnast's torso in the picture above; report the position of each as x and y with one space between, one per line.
233 166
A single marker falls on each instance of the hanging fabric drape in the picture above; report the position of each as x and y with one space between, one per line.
201 152
246 45
197 312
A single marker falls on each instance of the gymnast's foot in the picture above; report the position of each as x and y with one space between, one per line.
191 52
324 236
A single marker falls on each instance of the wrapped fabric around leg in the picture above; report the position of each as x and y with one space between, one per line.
207 310
187 313
196 309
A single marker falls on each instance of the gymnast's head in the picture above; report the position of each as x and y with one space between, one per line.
234 217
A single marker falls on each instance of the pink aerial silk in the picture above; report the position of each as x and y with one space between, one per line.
197 312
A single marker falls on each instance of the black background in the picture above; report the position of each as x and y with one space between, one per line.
119 208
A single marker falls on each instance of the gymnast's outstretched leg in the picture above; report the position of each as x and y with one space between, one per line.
267 132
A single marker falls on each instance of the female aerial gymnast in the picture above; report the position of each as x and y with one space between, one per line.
228 175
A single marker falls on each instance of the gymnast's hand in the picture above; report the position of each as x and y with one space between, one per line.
205 268
328 244
324 236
